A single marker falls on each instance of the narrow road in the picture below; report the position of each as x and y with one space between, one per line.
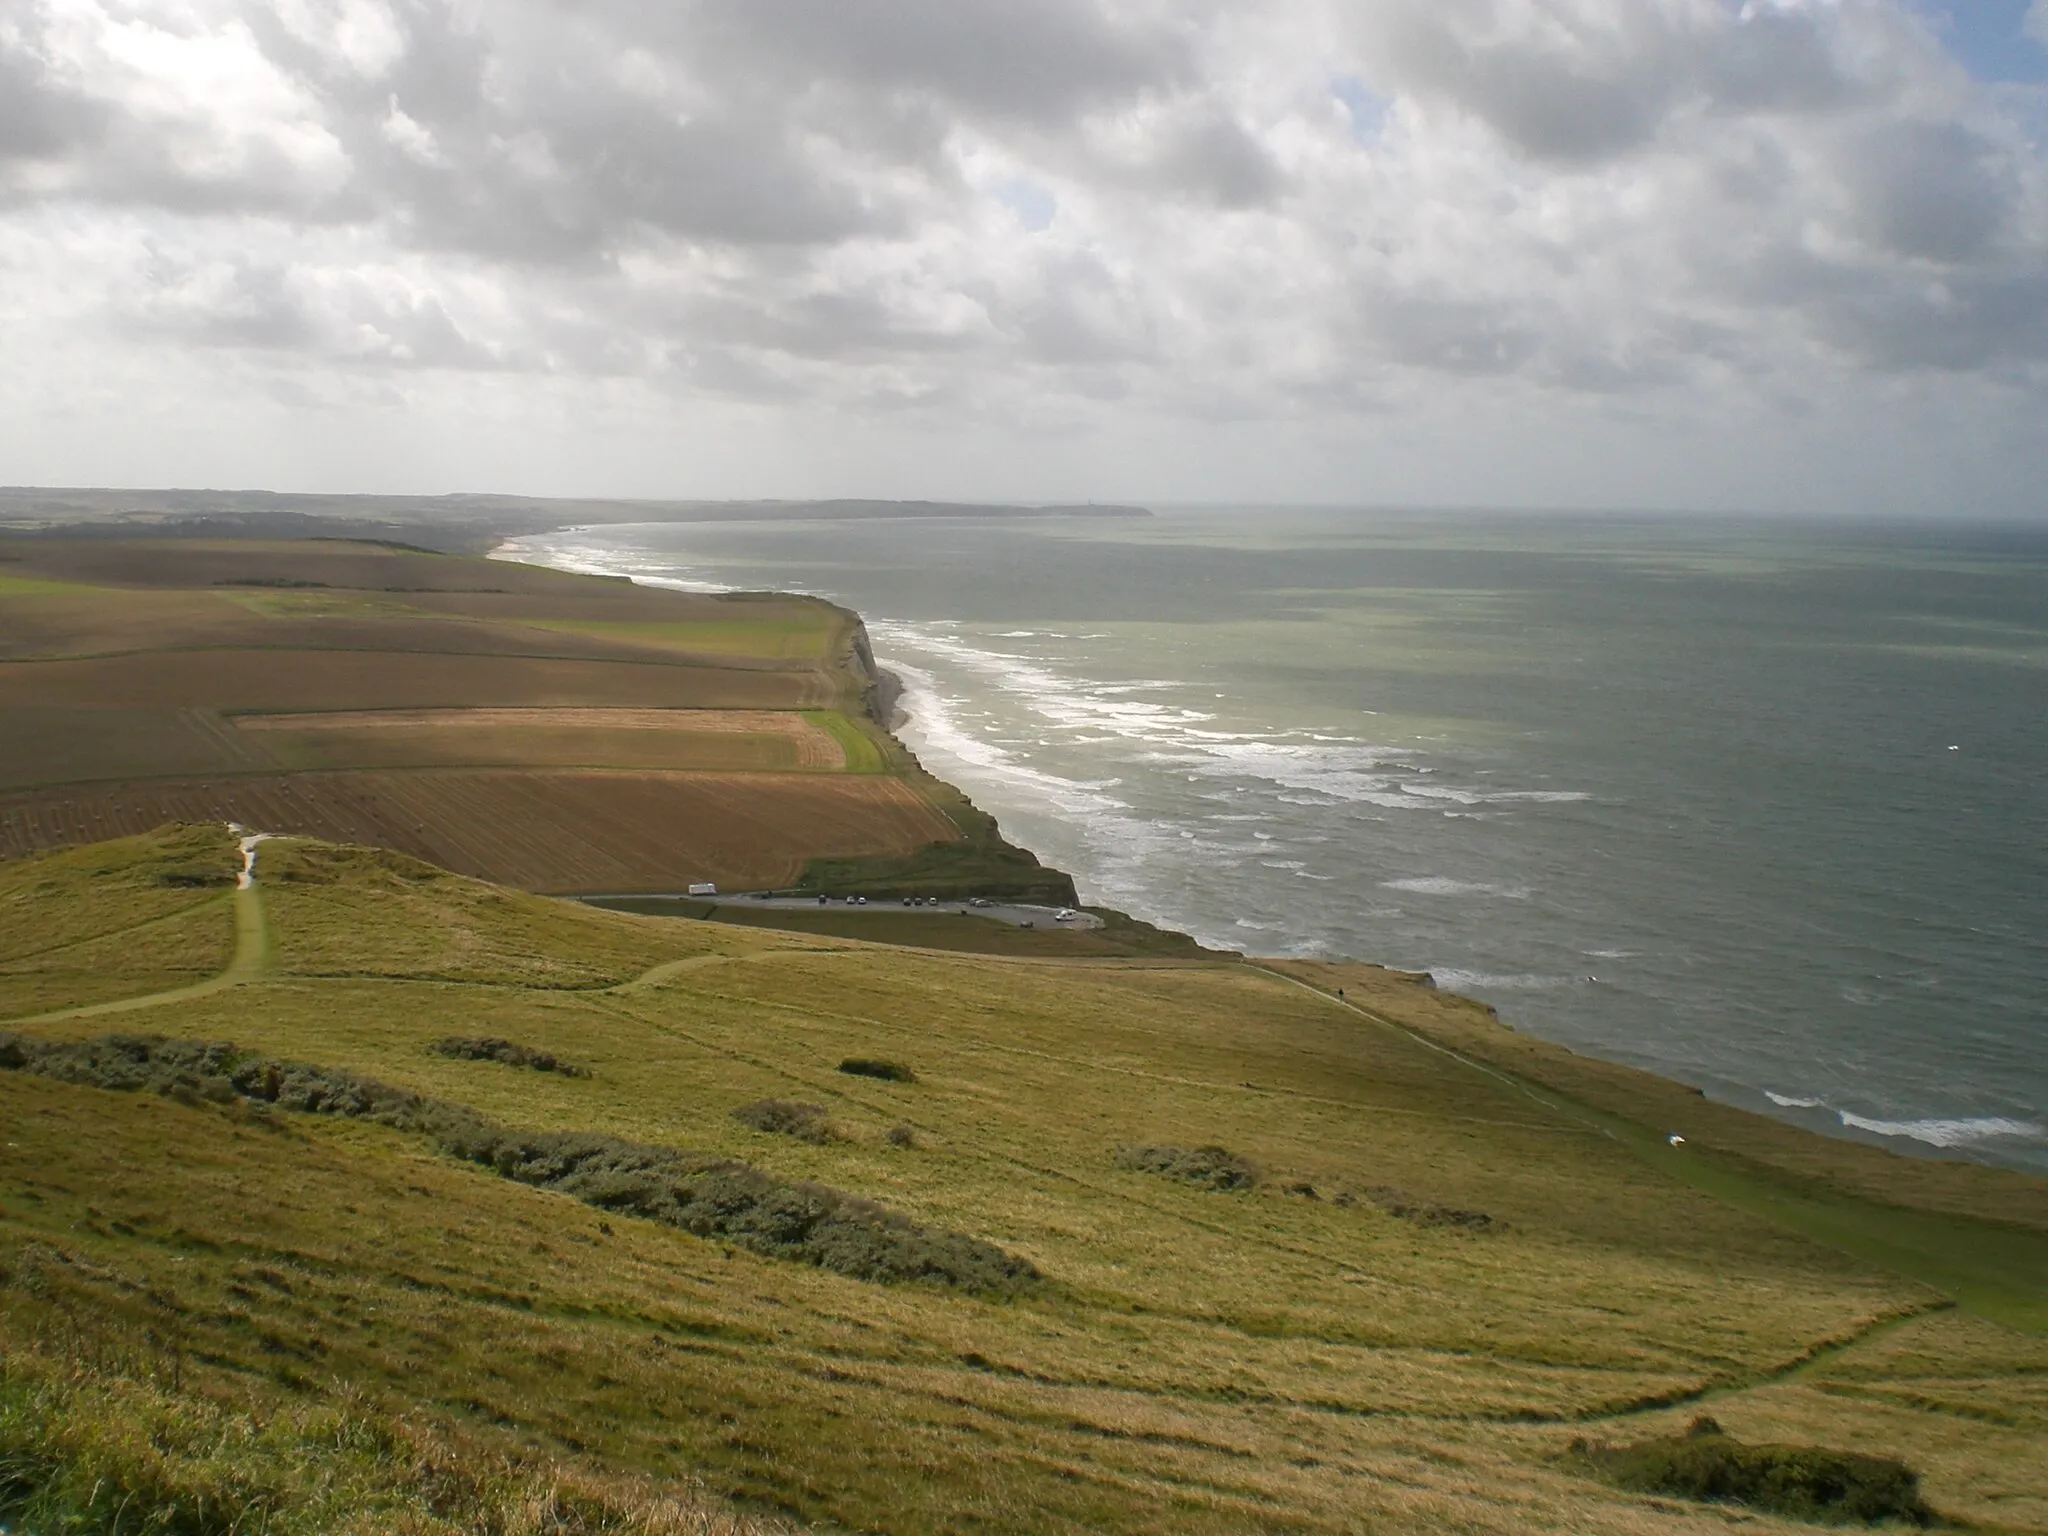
1016 914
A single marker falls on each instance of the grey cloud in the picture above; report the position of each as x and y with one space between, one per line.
268 306
1568 89
1932 190
39 118
1082 315
1580 83
1216 159
1971 323
1776 61
608 173
824 325
66 140
1452 335
1044 61
791 201
247 305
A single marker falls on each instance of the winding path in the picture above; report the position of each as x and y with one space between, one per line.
251 958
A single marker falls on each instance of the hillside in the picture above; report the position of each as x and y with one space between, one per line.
1132 1245
545 730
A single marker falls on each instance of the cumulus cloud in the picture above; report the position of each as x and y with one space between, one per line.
1019 219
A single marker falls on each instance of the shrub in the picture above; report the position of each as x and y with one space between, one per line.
781 1117
709 1196
901 1136
718 1197
489 1048
1802 1482
194 876
1424 1213
1208 1167
887 1071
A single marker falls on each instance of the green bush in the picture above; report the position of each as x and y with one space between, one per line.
1424 1213
194 876
490 1048
732 1201
868 1066
1799 1481
781 1117
710 1196
1208 1167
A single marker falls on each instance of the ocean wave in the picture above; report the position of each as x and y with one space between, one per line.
1784 1101
1496 796
1950 1133
1066 702
1453 980
597 560
1438 885
1172 733
937 721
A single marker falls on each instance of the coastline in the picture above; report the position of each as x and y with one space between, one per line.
886 694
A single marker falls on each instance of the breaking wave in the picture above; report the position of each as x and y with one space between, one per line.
1950 1133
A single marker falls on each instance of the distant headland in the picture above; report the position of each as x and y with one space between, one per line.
468 523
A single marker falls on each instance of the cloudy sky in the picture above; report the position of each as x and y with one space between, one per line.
1674 253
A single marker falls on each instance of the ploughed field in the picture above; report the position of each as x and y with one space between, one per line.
455 1208
546 730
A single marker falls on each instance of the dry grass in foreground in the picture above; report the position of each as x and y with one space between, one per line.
1272 1356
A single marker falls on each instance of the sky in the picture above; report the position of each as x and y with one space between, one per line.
1769 255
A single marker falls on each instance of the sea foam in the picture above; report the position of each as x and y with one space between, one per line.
1438 885
1950 1133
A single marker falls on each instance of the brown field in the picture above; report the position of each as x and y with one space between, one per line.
537 728
728 739
185 593
559 831
78 622
281 680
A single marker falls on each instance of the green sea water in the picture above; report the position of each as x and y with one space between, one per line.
1756 805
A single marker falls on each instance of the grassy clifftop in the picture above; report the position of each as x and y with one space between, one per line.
1422 1273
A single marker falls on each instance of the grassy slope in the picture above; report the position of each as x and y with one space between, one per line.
1979 1233
1200 1361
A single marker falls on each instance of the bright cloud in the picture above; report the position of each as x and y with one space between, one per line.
1781 252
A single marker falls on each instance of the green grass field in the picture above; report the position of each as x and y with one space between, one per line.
1462 1251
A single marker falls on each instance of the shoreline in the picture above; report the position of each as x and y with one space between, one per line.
884 700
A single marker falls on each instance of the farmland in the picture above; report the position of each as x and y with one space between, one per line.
542 729
1450 1252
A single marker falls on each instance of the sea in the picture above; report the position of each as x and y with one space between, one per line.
1758 805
